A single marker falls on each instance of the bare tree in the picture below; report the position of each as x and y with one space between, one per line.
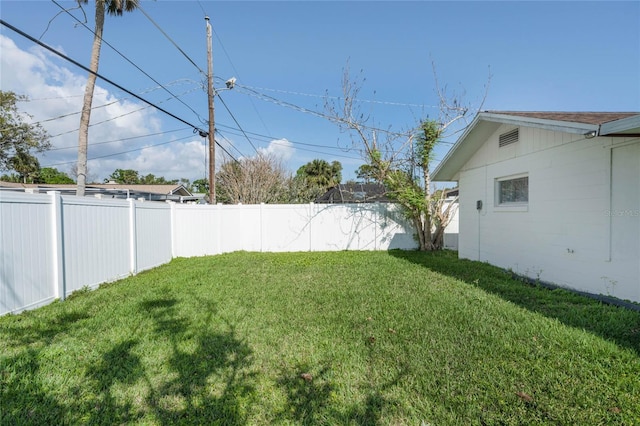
259 179
393 157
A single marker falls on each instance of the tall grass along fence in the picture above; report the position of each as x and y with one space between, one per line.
52 245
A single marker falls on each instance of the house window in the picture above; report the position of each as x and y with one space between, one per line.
512 190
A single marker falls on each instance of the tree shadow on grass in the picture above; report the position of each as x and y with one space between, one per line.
612 323
312 396
118 365
308 393
24 398
211 379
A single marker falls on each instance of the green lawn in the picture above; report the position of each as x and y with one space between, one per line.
322 338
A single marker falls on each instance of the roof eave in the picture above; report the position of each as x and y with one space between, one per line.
624 126
541 123
449 167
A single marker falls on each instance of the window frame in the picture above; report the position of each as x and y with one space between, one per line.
510 205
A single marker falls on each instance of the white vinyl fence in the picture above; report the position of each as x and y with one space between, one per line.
52 245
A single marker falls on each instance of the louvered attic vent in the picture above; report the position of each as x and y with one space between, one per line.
508 138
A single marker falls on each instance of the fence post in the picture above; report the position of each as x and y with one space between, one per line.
218 229
172 229
133 268
57 246
312 213
262 227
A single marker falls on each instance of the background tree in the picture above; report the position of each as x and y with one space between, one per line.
124 176
26 165
322 174
133 177
112 7
314 179
200 186
392 159
52 175
151 179
18 138
259 179
366 173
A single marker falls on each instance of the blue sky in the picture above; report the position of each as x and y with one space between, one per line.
550 56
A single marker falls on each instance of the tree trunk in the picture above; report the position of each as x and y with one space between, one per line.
428 237
417 223
83 135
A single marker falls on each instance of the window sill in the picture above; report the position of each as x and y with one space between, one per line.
511 208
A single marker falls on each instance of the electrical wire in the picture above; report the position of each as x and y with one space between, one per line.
102 106
225 150
170 39
127 59
266 138
62 148
122 152
229 142
279 102
340 98
237 124
233 67
76 63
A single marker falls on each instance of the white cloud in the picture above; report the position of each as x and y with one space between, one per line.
119 125
280 148
174 160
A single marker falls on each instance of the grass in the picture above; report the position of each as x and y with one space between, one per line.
322 338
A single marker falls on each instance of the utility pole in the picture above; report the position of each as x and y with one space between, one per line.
212 127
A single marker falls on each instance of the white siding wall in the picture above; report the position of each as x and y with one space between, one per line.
564 234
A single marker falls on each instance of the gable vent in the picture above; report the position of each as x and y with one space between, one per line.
508 138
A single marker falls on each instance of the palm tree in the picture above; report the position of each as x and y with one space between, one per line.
112 7
320 173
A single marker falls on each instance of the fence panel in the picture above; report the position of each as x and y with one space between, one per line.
240 228
26 255
195 230
285 227
152 234
96 241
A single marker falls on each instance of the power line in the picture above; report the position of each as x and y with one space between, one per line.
268 138
237 124
127 59
118 140
76 63
289 92
224 50
102 106
276 101
227 152
230 143
121 152
171 40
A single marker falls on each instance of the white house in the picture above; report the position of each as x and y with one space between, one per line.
554 196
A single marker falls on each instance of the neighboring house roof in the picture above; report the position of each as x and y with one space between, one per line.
590 124
355 193
150 192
